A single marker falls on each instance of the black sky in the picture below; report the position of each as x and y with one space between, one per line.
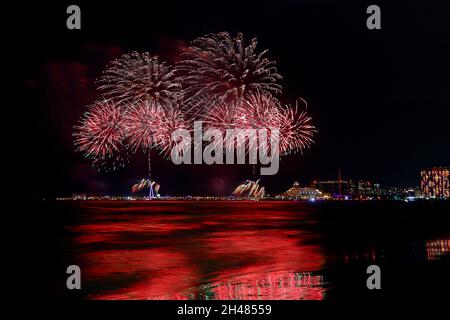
380 99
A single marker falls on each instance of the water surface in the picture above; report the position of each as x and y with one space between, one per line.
248 249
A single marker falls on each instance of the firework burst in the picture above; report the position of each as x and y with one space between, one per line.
100 133
259 110
296 130
222 116
173 119
139 76
220 65
222 80
142 124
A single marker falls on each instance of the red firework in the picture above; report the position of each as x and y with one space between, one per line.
139 76
227 82
100 133
260 110
296 130
223 115
226 66
143 121
173 120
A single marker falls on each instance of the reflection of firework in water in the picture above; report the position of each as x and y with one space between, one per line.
217 64
144 184
139 76
250 189
100 134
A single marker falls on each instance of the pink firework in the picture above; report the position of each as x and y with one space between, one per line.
173 119
139 76
101 132
226 66
296 130
260 110
223 115
142 122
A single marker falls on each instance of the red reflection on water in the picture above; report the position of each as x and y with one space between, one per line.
139 274
264 264
196 250
273 286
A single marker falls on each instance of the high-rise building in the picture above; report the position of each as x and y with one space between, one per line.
435 182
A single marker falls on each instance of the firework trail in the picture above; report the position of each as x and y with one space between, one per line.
219 65
139 76
100 134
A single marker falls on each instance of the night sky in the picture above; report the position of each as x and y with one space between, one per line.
380 99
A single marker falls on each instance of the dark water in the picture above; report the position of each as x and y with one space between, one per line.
246 250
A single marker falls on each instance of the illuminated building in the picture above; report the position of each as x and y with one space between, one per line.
435 182
301 192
